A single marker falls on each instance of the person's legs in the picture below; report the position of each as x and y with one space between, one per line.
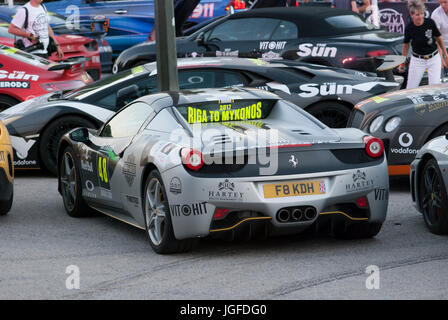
417 67
434 69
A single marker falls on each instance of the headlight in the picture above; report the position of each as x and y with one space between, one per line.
376 124
392 124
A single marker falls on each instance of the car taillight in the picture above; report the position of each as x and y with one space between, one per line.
220 213
362 202
237 4
348 59
63 85
193 159
91 46
376 53
374 146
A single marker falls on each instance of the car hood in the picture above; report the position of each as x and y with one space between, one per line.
410 98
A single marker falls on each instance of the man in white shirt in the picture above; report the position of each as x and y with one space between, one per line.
35 28
440 17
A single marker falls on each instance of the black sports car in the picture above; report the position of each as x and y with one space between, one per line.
36 126
325 36
405 120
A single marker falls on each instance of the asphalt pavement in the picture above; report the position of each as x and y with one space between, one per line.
45 254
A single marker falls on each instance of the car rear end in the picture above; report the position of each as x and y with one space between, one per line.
75 47
276 177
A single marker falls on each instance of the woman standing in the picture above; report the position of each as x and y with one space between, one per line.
424 36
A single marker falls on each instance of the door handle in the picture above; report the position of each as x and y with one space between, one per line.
121 11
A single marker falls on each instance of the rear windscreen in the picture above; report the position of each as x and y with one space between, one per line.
215 111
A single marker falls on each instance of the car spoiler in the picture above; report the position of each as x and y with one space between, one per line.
382 65
68 64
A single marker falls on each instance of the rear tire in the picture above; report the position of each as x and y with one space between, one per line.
358 231
49 139
71 186
333 114
433 198
6 102
6 205
158 223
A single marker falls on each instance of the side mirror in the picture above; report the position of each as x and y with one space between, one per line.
80 135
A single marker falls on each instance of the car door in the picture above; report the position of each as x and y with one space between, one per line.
233 37
105 152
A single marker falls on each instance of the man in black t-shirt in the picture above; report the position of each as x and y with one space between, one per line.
424 36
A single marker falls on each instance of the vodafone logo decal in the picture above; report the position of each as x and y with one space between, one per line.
405 139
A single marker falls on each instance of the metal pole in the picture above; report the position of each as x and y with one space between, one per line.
166 46
10 3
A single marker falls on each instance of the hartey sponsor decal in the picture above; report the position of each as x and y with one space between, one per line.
134 201
360 182
18 75
226 191
19 163
381 194
403 151
130 169
175 185
226 185
272 45
195 209
227 53
319 50
405 139
15 84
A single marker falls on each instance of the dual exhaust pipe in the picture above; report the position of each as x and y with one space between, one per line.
296 214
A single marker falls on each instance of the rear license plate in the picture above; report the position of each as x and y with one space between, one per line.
294 189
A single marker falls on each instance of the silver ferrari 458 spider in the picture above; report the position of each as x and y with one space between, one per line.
230 162
429 179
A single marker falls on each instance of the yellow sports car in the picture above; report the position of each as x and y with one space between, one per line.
6 171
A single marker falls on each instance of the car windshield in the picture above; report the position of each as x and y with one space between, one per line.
215 111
